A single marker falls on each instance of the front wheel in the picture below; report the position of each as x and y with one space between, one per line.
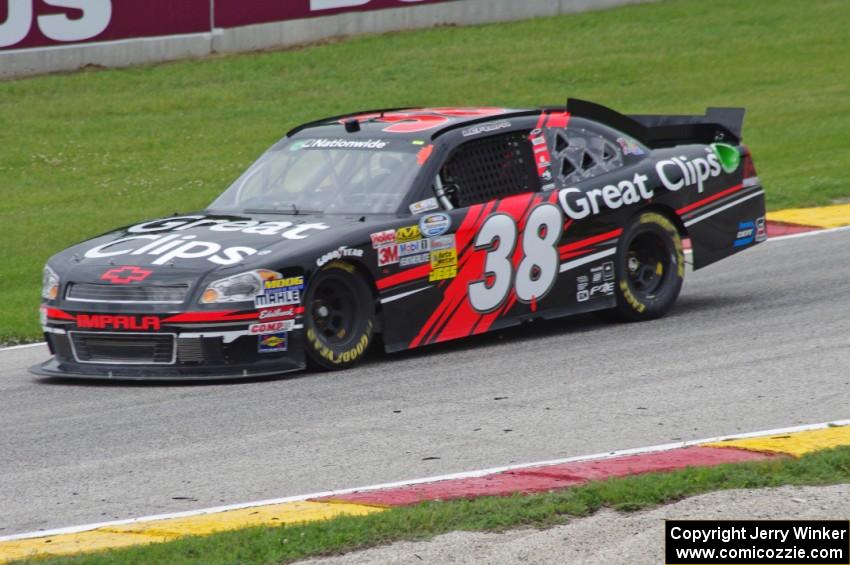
650 268
339 318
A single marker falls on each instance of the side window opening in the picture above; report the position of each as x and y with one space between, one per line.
580 154
490 168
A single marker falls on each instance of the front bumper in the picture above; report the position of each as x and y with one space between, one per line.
182 356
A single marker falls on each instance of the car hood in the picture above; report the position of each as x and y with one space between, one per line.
189 246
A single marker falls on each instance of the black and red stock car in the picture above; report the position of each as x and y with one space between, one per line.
424 225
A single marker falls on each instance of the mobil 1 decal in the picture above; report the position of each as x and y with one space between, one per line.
504 253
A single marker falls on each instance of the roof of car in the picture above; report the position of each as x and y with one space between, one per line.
413 122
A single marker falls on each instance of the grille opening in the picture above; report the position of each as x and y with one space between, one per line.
163 294
561 143
148 349
587 161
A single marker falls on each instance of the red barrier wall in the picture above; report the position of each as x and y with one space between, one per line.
43 23
234 13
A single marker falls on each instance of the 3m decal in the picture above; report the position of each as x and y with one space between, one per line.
434 225
337 254
538 270
272 343
387 255
106 321
126 275
287 230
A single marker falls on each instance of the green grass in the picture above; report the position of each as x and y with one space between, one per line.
85 152
339 535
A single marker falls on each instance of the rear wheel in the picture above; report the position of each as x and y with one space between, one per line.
650 268
339 318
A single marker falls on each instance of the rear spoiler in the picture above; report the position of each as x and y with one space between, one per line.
656 131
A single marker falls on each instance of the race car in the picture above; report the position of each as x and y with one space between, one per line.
422 225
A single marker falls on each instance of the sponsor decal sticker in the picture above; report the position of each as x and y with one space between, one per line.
337 254
343 144
443 273
485 128
746 234
434 225
272 343
579 204
761 230
413 247
126 275
424 206
442 242
692 172
278 313
271 327
116 322
281 292
169 248
630 146
412 260
387 255
444 258
382 238
408 233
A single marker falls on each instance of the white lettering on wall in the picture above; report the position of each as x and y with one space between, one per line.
59 27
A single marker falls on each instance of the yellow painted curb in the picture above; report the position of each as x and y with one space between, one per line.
824 217
795 444
158 531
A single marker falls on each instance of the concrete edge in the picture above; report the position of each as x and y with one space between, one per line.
530 477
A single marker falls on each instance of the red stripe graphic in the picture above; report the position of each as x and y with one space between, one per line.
57 314
580 244
710 199
404 277
558 120
217 316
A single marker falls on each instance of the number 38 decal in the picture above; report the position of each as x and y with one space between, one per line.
536 273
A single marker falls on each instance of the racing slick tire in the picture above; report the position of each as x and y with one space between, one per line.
339 318
650 268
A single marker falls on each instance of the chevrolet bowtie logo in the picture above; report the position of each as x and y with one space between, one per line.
126 275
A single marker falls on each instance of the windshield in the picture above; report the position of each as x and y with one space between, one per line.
335 176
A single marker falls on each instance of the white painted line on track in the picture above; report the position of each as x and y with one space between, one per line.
23 346
775 238
452 476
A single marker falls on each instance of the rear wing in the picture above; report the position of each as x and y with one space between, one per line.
656 131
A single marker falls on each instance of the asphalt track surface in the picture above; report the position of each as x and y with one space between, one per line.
758 341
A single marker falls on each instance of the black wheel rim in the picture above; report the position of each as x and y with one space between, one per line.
333 311
647 264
